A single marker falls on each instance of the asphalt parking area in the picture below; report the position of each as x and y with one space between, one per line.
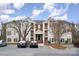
12 50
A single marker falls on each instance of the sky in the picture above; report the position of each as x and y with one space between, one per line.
39 11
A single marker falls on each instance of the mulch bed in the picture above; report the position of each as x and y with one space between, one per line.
58 46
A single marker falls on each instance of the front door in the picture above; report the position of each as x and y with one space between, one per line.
39 38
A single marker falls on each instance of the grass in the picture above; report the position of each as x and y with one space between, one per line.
57 46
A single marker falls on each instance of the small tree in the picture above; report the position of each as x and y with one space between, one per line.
55 27
58 28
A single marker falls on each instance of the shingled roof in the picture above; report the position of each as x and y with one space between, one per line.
39 21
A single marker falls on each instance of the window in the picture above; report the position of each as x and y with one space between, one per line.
62 40
41 26
46 25
46 38
36 26
9 39
46 33
32 39
68 39
15 32
15 39
52 39
32 25
32 33
8 32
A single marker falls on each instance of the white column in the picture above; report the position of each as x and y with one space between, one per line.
29 36
48 31
12 37
34 32
43 33
21 30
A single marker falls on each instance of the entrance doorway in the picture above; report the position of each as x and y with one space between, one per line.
39 38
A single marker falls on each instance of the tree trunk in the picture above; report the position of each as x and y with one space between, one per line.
4 32
19 32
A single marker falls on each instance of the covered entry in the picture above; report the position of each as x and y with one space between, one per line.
39 38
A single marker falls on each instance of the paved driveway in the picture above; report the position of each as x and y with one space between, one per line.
12 50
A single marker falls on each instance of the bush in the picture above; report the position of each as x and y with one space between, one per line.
49 42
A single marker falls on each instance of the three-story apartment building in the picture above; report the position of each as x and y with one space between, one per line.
43 31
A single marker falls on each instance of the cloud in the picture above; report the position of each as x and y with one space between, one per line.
57 13
46 6
63 17
6 8
5 5
19 18
18 5
76 3
7 18
67 6
49 6
8 11
60 13
4 18
36 12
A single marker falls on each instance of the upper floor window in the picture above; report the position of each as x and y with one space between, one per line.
36 26
8 32
41 26
46 25
32 33
32 25
15 32
46 33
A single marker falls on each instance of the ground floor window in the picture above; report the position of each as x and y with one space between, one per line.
46 38
62 39
15 40
68 40
9 39
52 39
